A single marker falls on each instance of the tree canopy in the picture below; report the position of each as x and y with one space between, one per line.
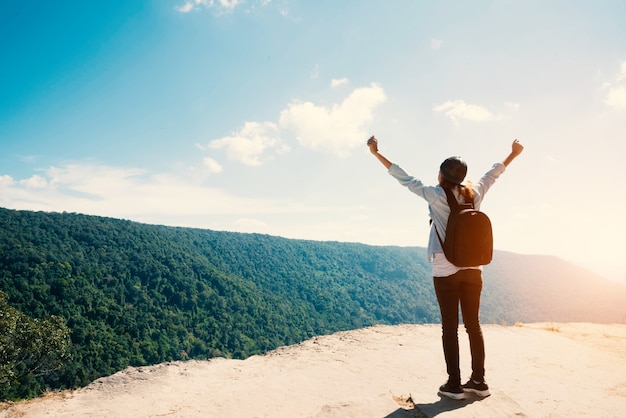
29 348
86 296
135 294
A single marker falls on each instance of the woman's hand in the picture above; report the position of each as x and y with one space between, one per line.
373 144
516 149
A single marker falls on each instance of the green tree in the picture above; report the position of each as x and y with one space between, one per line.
29 347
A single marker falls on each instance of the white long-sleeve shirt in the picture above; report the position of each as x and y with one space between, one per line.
439 211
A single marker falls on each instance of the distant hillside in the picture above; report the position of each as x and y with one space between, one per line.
135 294
539 288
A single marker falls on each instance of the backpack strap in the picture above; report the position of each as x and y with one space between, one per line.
438 236
452 202
454 207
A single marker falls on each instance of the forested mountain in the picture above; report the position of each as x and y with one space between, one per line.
136 294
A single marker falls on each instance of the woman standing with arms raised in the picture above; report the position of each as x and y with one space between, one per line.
454 285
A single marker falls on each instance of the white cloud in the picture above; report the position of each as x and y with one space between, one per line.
161 198
191 5
338 82
338 129
616 97
35 182
127 193
6 181
220 5
212 165
458 109
616 94
186 8
91 179
77 187
252 143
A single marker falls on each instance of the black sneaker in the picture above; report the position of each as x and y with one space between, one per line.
480 389
452 391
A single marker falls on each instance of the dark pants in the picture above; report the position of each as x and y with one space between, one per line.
463 287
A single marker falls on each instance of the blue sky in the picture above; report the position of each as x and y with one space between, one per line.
252 116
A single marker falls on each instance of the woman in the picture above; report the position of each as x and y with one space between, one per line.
454 285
